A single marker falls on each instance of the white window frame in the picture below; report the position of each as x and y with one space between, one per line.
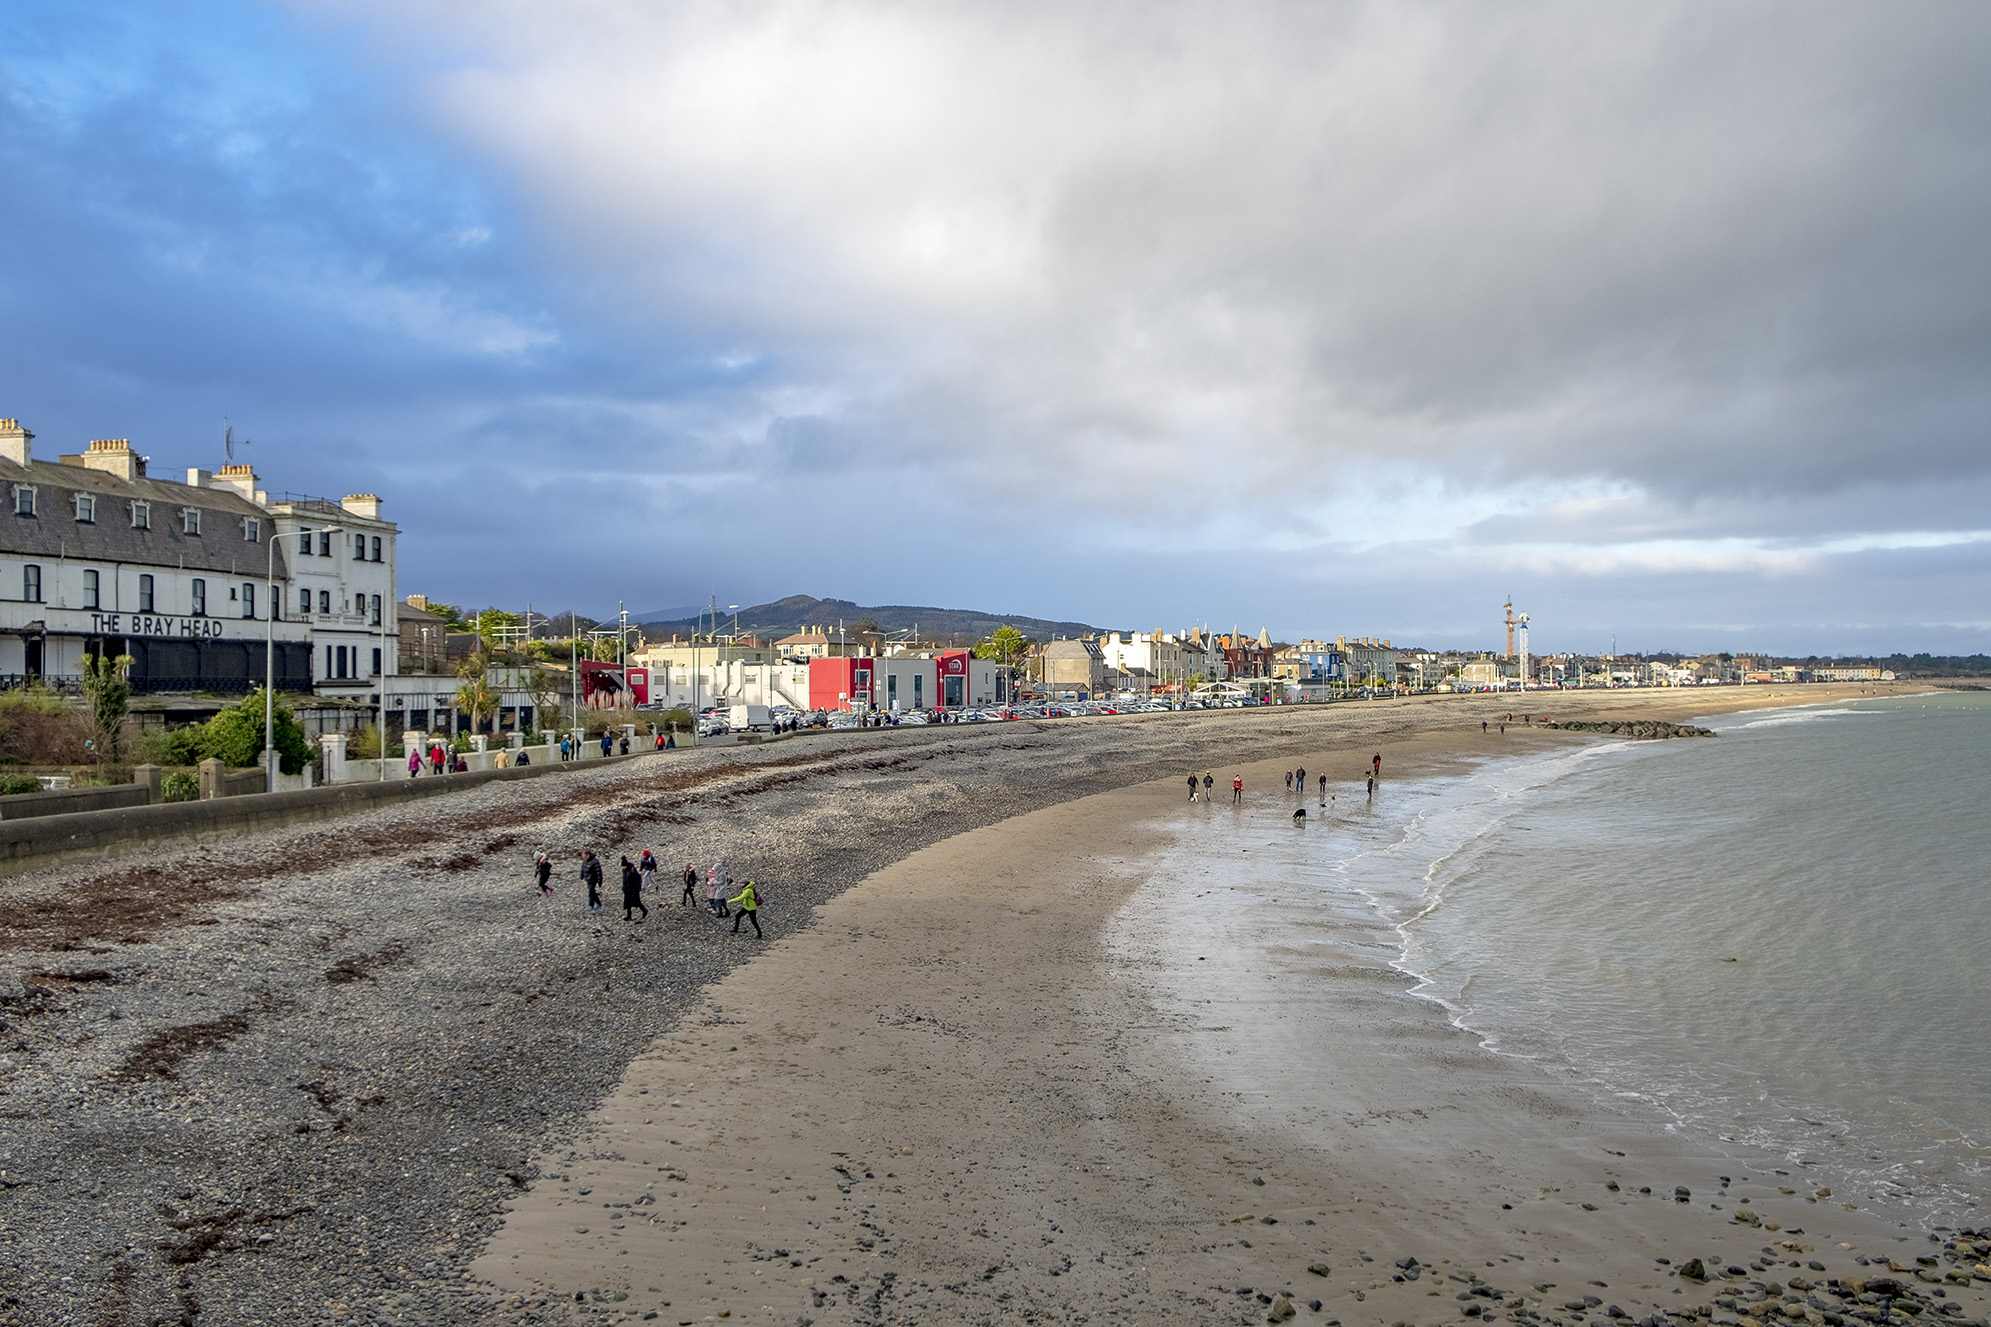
24 500
252 530
31 574
190 520
145 592
199 597
86 508
93 589
141 514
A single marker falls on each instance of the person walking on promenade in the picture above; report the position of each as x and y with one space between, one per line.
591 876
749 909
414 762
1192 787
690 886
632 892
625 744
436 757
566 749
542 866
1237 790
607 742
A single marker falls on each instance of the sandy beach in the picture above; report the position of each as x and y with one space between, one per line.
362 1072
972 1092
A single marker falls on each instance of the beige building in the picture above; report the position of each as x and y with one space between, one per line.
1073 665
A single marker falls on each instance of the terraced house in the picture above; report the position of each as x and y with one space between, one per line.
204 583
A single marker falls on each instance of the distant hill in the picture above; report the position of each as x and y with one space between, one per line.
801 612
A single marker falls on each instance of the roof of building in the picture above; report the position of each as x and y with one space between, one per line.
1073 649
55 532
804 638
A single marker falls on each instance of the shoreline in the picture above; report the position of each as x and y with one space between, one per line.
296 1075
972 1008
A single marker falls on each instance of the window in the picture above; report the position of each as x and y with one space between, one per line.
200 597
31 584
376 548
375 610
86 508
304 542
324 601
304 602
190 520
376 663
252 529
248 598
145 593
91 587
359 547
24 499
141 516
325 544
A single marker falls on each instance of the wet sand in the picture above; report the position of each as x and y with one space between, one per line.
966 1094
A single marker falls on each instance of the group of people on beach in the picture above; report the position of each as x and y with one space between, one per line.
640 877
1296 781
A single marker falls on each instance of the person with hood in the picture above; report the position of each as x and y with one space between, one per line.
690 886
414 761
749 909
591 876
542 866
716 882
632 892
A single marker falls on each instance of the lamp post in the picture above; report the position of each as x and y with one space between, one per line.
270 664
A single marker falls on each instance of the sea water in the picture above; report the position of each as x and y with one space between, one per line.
1777 938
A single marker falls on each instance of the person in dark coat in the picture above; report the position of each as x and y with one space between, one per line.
542 866
632 892
591 876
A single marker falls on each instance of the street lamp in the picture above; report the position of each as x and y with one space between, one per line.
270 662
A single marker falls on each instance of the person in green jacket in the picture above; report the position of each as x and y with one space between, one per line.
749 909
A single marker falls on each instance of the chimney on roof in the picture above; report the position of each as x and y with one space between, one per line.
363 504
239 480
197 478
114 456
15 442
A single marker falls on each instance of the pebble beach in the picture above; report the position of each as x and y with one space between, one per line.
360 1071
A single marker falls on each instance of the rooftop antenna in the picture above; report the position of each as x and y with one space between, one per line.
228 443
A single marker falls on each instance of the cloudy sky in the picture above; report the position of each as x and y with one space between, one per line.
1672 321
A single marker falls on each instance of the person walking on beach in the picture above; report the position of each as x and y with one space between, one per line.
1192 787
1300 780
632 892
749 909
1482 727
1237 789
591 875
647 867
716 881
1208 783
1323 790
1372 787
1376 765
1289 783
690 886
542 866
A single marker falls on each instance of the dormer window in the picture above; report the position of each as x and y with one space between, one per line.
252 529
86 508
141 515
24 499
190 520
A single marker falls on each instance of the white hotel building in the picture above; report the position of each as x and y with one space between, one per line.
192 580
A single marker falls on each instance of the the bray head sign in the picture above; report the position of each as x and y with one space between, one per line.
153 624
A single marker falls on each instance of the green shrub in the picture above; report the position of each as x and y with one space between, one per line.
677 720
180 786
18 783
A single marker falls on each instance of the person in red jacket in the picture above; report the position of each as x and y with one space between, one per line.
1237 789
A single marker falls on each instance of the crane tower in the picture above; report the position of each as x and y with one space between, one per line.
1517 623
